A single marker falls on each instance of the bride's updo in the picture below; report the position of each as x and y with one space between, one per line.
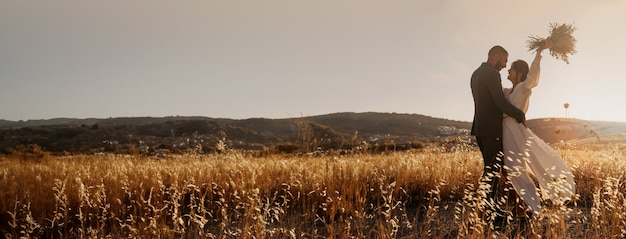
521 67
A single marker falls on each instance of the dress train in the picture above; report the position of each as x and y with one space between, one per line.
526 155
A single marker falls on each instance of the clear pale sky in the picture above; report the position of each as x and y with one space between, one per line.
292 58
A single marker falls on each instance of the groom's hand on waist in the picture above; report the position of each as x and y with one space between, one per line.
521 118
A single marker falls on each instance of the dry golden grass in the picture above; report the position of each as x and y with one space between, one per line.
425 194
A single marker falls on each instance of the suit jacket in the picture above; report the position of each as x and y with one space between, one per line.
490 103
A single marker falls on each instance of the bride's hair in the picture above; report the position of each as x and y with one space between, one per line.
521 67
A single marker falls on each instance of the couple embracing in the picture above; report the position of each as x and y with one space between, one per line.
507 145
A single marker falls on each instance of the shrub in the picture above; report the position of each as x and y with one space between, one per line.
31 152
286 148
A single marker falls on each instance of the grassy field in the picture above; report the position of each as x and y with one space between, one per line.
415 194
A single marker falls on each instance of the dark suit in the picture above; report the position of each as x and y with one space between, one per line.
489 106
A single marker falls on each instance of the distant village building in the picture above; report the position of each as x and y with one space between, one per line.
160 154
451 130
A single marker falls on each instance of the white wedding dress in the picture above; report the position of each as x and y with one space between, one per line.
526 154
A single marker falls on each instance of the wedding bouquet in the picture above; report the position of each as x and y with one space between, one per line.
563 43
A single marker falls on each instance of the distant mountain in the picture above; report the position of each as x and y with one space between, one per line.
89 121
367 123
47 122
410 125
6 123
338 130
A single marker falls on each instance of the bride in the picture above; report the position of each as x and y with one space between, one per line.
526 154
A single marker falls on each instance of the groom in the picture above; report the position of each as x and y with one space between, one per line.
489 106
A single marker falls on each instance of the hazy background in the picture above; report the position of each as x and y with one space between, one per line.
290 58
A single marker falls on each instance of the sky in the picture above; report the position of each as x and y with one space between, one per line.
292 58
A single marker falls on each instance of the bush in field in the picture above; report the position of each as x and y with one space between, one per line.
31 152
286 148
417 145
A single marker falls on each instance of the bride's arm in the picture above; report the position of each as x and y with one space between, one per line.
532 79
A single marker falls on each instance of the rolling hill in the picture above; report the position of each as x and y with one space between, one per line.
338 130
